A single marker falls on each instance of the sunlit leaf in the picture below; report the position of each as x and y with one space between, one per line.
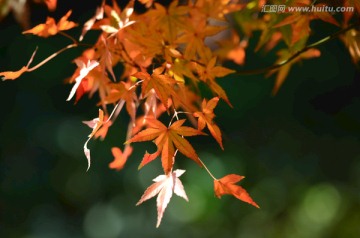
50 28
167 139
164 187
226 185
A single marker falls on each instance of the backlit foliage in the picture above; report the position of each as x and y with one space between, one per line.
166 52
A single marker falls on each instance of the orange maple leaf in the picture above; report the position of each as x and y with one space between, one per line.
51 4
147 3
349 14
205 118
50 28
284 70
120 157
166 140
208 74
162 84
352 41
226 185
123 91
15 74
300 21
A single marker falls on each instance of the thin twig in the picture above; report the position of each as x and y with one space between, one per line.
51 57
207 170
306 48
69 37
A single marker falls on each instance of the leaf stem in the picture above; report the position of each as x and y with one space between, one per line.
69 37
51 57
298 53
207 170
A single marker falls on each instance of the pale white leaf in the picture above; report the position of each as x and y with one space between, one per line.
87 154
151 191
109 29
84 70
87 26
164 186
93 123
163 199
179 189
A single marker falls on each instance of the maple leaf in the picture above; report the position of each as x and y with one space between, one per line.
118 19
300 21
147 3
95 81
166 140
99 14
164 187
284 70
103 130
188 99
194 36
208 75
349 14
120 157
83 88
12 75
205 118
180 69
226 185
352 41
51 4
107 58
84 70
162 84
232 49
95 124
215 9
141 121
50 28
169 21
150 103
123 91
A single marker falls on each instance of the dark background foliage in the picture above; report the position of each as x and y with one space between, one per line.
299 151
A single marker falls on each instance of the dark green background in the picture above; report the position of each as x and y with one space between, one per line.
299 151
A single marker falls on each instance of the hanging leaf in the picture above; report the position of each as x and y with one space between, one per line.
205 118
164 187
226 185
120 157
50 28
167 139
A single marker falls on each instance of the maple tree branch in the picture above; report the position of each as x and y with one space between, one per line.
51 57
298 53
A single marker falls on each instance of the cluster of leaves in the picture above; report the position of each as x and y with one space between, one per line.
166 52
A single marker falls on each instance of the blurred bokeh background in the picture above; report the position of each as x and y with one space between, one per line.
299 151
